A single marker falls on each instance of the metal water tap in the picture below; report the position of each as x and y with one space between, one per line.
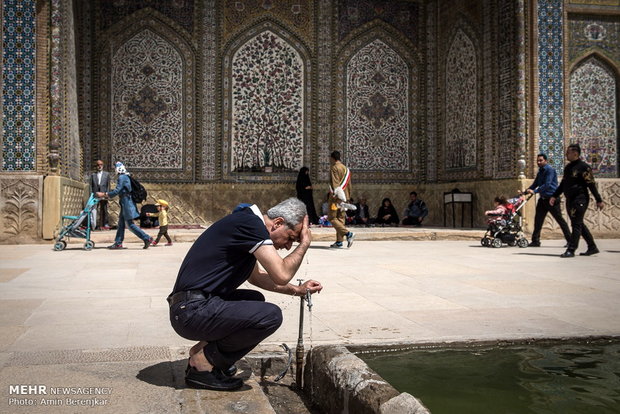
307 297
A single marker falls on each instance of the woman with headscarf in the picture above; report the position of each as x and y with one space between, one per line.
387 213
129 211
304 193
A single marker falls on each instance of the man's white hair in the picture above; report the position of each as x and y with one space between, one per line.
292 210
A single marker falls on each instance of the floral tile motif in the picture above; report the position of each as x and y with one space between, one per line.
377 128
267 105
550 81
147 105
461 103
18 85
593 107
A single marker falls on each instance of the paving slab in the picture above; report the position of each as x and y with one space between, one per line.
99 319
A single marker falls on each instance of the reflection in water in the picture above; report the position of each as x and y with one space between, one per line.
579 379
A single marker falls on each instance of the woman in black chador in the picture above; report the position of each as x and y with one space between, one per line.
387 214
304 193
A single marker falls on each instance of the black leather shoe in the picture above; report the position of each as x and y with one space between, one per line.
211 380
568 253
147 243
229 372
590 252
534 244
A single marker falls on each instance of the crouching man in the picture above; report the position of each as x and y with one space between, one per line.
206 303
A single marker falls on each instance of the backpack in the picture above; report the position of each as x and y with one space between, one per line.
138 192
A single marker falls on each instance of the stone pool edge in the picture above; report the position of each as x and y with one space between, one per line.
338 381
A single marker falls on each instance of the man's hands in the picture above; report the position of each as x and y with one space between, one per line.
305 235
100 194
552 201
310 285
600 205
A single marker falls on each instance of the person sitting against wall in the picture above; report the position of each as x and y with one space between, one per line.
362 217
415 212
387 214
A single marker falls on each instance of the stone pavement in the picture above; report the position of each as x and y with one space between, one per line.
97 320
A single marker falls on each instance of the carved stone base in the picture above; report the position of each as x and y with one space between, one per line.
20 201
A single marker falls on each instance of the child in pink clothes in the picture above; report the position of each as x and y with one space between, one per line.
501 208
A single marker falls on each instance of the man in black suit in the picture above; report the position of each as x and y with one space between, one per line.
100 183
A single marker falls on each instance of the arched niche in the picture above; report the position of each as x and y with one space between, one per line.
266 104
377 113
146 99
462 95
593 111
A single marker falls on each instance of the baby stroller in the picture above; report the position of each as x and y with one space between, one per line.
507 228
77 227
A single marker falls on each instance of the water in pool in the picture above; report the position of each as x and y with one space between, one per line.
579 378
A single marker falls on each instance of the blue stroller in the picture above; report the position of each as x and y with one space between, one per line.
77 228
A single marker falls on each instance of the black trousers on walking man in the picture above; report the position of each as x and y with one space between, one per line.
576 208
542 208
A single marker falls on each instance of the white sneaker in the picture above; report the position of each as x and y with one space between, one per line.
347 206
337 245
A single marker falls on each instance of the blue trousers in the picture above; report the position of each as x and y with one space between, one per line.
232 325
120 232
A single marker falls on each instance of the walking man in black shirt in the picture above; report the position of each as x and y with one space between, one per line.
576 182
206 303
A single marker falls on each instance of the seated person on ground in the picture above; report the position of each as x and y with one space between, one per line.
387 214
416 210
362 217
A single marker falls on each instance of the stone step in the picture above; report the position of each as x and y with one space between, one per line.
129 380
249 399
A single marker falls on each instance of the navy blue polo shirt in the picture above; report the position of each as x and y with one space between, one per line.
222 258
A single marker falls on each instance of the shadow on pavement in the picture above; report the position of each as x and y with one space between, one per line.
165 374
172 374
540 254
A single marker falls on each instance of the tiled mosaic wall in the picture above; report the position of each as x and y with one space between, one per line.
357 76
145 97
593 104
18 85
201 137
594 61
267 86
550 81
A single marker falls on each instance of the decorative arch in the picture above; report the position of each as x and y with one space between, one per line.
378 94
594 113
146 98
462 93
267 107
